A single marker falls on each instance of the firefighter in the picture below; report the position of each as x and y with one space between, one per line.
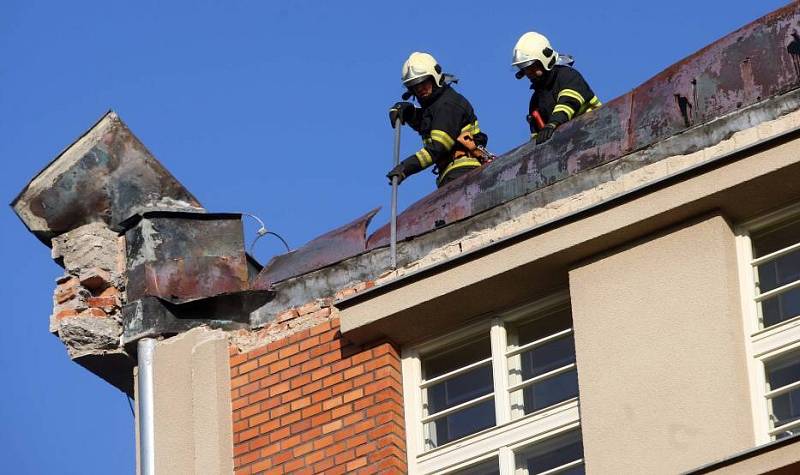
452 141
560 93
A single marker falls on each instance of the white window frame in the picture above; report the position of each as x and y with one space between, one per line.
762 345
510 432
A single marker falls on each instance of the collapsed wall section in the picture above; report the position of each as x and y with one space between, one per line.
88 299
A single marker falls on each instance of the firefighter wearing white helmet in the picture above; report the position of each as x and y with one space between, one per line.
560 91
445 120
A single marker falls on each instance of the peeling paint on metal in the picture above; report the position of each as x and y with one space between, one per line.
330 248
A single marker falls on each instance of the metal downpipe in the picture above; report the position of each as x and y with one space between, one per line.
147 460
393 226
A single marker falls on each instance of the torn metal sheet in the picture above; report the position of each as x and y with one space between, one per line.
330 248
106 176
759 61
182 257
151 317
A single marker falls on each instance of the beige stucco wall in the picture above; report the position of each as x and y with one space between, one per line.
660 353
193 425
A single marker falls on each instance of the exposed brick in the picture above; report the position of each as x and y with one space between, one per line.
93 312
237 359
328 428
293 465
322 328
322 404
66 313
341 411
309 343
308 308
95 278
279 388
333 402
248 366
261 466
103 302
288 351
352 395
301 403
287 315
357 463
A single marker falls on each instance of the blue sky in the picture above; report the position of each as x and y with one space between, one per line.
277 108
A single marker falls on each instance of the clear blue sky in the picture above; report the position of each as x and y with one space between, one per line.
272 107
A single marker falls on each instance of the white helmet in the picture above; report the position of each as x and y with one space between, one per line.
533 47
420 66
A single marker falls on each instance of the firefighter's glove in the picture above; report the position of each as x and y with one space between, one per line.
398 172
545 134
404 110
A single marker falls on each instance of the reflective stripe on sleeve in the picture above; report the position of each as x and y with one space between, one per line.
565 109
593 104
459 163
572 93
442 138
472 128
424 158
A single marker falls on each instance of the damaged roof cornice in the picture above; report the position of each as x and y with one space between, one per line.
107 175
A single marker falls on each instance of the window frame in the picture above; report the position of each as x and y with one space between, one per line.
762 345
510 433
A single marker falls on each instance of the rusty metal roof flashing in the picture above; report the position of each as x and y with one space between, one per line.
182 257
187 269
107 175
328 249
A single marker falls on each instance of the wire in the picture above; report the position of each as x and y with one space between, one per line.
262 231
130 404
282 240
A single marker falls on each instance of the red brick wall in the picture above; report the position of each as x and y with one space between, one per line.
315 403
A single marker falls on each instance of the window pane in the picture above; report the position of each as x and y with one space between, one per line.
552 355
460 424
781 307
490 467
550 391
552 454
775 239
458 357
542 327
543 359
460 389
786 407
781 271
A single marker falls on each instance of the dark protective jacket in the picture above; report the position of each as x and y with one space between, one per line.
558 97
444 116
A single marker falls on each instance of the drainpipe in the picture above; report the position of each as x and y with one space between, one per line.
147 459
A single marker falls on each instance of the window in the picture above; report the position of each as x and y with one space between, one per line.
770 251
499 397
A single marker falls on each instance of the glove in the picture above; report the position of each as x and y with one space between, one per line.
398 172
545 134
404 110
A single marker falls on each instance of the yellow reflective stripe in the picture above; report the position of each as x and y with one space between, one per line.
573 94
442 138
460 163
565 109
593 104
424 158
471 128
